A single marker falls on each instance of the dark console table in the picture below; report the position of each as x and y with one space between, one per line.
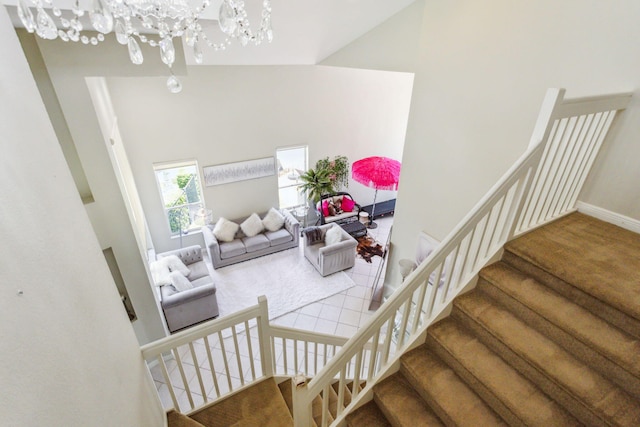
382 209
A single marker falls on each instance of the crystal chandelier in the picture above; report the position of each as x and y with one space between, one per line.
155 22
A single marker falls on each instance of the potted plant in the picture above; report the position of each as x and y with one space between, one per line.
315 183
338 171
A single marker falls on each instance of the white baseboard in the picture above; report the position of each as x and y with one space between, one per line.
610 217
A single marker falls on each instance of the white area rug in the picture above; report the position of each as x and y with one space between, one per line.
286 278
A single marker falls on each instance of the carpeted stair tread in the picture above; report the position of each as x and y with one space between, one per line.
402 405
587 336
368 415
599 258
259 405
511 395
176 419
582 390
446 393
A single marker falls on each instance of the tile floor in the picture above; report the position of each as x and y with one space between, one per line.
341 315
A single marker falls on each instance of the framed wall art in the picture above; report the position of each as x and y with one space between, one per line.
238 171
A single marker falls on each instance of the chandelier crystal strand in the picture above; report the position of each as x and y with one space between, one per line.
154 22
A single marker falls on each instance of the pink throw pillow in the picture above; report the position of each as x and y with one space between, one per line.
325 208
347 204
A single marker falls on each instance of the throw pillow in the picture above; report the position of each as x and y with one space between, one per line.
273 220
175 264
225 230
180 282
333 236
325 208
252 226
347 204
160 272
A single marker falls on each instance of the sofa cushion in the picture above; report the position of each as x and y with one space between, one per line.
278 237
343 215
180 282
273 220
206 280
252 226
255 243
198 270
225 230
231 249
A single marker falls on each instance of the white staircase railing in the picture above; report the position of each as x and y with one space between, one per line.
200 365
542 185
204 363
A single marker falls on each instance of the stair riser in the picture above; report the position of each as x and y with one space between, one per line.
572 404
480 389
430 400
594 305
402 405
441 389
368 415
585 353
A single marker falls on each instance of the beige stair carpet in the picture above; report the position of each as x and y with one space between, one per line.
550 337
259 405
176 419
594 257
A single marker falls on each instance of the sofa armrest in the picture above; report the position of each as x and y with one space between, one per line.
291 224
212 245
344 245
178 298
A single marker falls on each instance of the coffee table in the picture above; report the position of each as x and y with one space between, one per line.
354 228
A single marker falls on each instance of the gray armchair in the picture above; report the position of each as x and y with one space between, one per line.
328 259
185 308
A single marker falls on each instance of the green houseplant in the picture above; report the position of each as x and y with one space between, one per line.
315 183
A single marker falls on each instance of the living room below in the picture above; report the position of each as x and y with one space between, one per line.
329 122
340 314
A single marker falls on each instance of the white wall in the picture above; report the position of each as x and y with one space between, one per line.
68 64
392 45
482 72
69 355
229 114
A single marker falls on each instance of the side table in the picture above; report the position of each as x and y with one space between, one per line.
354 228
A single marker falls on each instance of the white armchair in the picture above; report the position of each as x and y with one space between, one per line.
329 257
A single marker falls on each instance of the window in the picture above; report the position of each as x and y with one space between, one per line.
292 162
179 185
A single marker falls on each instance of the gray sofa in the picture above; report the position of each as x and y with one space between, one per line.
186 308
329 259
243 248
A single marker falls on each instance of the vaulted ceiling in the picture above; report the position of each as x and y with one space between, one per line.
305 31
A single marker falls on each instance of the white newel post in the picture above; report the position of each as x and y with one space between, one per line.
264 332
301 409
